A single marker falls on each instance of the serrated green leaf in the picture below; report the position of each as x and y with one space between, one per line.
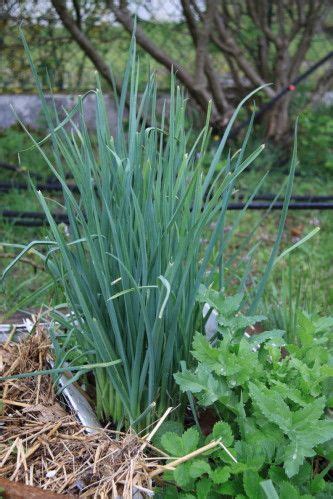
172 444
316 433
223 430
231 304
272 405
303 440
301 480
224 305
249 455
239 468
266 443
251 483
230 488
180 446
202 381
199 468
323 324
309 378
204 352
203 488
288 491
190 439
276 474
220 475
182 475
168 426
238 367
240 322
192 382
274 336
289 392
308 414
294 456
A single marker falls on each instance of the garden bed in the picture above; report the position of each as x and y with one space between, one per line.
42 444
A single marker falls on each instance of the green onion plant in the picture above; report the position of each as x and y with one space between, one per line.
133 259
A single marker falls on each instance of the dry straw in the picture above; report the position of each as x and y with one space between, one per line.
43 445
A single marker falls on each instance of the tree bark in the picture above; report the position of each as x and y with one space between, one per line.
82 40
278 121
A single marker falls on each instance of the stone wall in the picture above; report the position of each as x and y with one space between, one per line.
28 109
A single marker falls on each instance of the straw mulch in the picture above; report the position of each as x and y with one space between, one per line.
43 445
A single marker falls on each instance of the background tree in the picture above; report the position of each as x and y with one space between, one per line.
261 41
219 49
52 46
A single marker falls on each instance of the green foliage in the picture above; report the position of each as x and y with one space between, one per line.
133 262
180 445
316 148
12 141
69 69
294 305
144 204
271 402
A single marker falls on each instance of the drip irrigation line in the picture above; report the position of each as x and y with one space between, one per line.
37 219
14 168
57 187
25 171
305 198
291 87
46 187
279 205
31 214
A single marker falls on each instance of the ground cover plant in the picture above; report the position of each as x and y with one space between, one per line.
271 398
131 263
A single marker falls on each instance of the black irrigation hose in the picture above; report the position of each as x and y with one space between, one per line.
279 205
46 187
16 169
37 219
24 171
56 186
305 198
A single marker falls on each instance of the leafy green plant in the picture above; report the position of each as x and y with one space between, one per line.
133 261
271 400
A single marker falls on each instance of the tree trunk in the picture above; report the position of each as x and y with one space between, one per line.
278 120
